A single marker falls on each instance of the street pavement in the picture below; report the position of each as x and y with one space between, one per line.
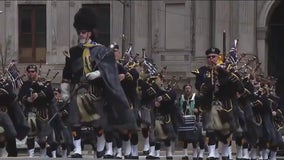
89 154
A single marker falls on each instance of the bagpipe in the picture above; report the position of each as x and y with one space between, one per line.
47 79
148 66
13 74
6 91
130 60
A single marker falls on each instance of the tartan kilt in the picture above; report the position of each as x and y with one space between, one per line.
190 130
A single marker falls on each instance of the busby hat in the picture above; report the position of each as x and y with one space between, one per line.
31 67
85 19
212 50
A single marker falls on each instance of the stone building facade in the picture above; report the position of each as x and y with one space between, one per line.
175 33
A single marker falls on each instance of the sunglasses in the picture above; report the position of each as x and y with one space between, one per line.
82 32
211 57
31 71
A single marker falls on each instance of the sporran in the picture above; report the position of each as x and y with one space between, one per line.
219 117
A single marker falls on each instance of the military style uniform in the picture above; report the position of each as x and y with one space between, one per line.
129 85
12 120
217 98
37 112
100 99
163 125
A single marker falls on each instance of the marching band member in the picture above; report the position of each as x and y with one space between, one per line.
73 70
248 136
129 77
147 96
97 97
117 134
191 131
13 124
36 97
163 113
218 90
61 135
278 119
271 139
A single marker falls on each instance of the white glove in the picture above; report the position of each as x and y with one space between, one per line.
93 75
65 91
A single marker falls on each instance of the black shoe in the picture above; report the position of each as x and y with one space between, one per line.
146 152
194 158
152 157
48 152
108 156
225 158
131 157
76 155
169 157
200 158
185 158
100 154
127 157
58 155
134 157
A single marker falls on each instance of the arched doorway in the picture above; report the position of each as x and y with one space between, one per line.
275 41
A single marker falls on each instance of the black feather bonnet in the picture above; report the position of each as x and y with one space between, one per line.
85 19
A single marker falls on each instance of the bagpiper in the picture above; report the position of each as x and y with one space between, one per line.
13 124
218 90
36 96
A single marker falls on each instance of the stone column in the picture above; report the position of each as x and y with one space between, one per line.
202 29
2 24
11 28
140 25
247 25
63 31
262 49
116 27
222 23
51 31
74 7
158 31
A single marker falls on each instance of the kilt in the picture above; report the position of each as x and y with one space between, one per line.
164 128
85 108
190 130
147 115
